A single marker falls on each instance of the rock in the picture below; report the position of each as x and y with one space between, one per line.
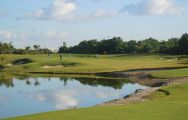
127 96
138 90
161 83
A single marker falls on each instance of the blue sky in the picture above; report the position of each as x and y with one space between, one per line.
50 22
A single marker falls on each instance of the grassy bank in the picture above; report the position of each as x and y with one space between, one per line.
172 107
89 63
171 73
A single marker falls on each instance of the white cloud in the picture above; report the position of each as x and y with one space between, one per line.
51 38
59 10
154 7
65 11
6 34
48 35
62 9
65 99
59 99
103 95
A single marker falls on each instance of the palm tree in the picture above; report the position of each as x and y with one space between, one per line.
9 47
27 48
36 47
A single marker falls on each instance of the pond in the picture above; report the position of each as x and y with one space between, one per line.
22 96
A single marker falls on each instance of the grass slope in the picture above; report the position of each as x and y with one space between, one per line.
172 107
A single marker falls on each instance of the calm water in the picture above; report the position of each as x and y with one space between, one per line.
22 96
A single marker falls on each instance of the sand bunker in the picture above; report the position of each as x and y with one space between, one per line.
49 67
9 65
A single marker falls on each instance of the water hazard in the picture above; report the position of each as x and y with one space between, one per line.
22 96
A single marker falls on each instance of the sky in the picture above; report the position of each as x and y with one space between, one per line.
49 23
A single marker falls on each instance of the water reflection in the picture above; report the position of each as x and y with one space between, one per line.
28 95
59 99
3 98
116 84
7 81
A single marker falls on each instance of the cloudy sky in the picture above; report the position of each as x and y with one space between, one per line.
50 22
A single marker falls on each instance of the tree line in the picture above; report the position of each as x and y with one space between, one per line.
117 45
8 48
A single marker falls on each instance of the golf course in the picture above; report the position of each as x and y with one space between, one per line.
93 60
156 105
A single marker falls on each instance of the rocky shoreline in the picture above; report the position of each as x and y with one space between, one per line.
142 95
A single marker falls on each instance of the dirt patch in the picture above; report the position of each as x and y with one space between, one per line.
22 61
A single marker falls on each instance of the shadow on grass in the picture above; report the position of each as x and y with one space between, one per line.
166 92
155 69
22 61
131 55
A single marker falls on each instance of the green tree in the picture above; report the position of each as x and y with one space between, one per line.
110 46
150 45
6 48
170 46
183 44
64 48
132 46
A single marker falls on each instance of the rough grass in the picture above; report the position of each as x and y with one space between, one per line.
172 107
91 63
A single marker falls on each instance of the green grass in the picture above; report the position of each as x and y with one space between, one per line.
172 107
92 64
171 73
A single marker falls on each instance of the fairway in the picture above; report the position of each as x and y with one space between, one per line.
89 63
